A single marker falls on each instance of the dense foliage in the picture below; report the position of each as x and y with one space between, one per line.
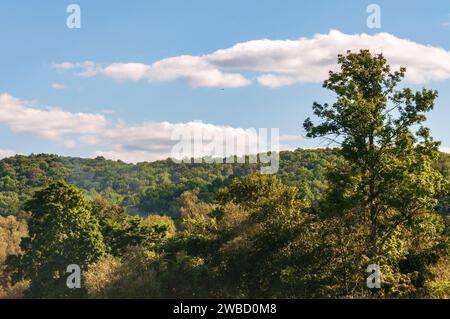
148 188
161 229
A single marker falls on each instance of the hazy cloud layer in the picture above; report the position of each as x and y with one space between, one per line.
51 123
145 141
278 62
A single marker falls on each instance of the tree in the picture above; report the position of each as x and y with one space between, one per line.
387 177
9 204
62 231
11 232
273 246
121 230
164 225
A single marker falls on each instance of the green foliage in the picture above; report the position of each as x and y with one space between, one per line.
62 231
387 178
11 233
9 203
121 230
167 230
132 276
150 188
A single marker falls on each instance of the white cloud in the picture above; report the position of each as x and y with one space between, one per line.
7 153
309 60
156 140
57 86
52 124
445 149
195 70
125 71
147 141
279 62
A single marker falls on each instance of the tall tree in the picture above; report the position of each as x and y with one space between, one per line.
62 231
388 178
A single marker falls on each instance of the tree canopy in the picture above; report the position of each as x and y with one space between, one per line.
380 197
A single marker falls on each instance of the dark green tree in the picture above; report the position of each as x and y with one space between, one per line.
62 231
121 230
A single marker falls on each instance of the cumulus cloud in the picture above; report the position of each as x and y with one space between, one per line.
195 70
309 60
147 141
279 62
52 123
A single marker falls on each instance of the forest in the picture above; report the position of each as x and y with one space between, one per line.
380 195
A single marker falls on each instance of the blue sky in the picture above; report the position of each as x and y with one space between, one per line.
35 39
